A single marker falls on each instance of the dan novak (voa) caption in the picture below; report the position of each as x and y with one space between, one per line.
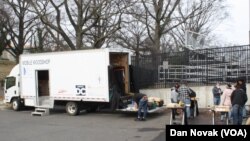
226 131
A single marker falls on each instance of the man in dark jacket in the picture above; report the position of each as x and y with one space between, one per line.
238 99
142 104
242 84
217 93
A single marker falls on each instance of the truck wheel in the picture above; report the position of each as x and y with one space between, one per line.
16 104
72 108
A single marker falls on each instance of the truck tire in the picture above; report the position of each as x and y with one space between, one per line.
72 108
16 104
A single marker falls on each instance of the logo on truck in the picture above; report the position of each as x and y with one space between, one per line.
80 90
36 62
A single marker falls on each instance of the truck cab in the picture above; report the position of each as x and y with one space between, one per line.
12 89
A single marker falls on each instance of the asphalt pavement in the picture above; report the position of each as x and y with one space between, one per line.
105 126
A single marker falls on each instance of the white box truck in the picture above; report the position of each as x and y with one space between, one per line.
84 79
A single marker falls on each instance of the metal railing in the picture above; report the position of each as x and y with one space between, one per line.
197 67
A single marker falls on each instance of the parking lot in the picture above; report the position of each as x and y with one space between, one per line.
58 126
105 126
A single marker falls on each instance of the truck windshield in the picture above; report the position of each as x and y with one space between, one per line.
10 81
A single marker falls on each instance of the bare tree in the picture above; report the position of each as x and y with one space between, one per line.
133 32
158 16
45 40
209 15
42 41
132 36
161 17
81 23
108 24
3 32
19 25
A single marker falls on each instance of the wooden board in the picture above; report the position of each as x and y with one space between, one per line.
174 105
221 108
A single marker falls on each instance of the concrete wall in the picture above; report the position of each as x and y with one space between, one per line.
203 93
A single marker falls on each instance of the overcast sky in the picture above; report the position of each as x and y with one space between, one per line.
235 29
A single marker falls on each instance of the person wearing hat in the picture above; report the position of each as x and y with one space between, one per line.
242 84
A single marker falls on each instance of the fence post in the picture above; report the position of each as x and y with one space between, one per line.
165 79
165 67
206 67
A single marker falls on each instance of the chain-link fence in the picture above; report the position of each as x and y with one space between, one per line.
197 67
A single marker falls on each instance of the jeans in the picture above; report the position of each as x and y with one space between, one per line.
216 100
187 107
174 111
143 105
237 114
226 114
244 112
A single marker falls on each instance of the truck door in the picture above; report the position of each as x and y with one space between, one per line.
119 75
10 88
43 93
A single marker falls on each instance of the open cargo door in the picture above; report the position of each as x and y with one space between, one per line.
122 83
118 79
43 93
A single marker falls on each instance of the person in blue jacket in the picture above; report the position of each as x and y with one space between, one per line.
142 103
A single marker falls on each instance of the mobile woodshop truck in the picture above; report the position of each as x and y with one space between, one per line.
84 79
